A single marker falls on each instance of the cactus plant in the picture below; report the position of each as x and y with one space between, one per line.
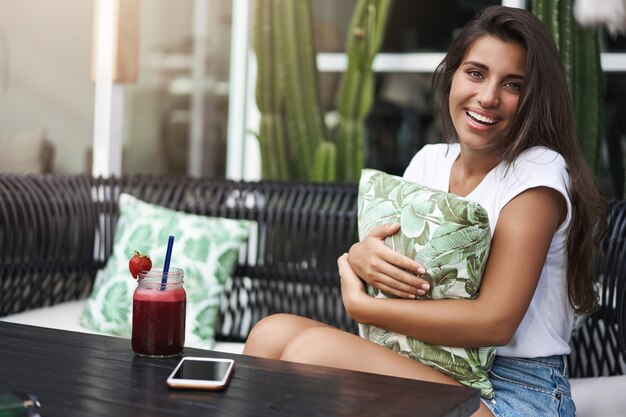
294 141
580 53
286 93
356 90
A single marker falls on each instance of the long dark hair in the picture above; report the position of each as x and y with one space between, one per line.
544 117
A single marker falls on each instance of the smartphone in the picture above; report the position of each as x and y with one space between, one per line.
201 373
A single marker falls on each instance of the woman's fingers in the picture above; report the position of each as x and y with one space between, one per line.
400 261
396 266
371 248
397 293
345 270
399 280
382 231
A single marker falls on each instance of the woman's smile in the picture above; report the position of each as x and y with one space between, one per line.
480 120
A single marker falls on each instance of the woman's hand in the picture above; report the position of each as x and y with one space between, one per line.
353 291
384 268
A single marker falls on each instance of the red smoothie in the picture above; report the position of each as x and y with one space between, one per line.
159 321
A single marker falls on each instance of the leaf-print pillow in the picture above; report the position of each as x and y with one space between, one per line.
206 248
450 236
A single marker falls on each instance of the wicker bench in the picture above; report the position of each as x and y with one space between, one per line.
56 231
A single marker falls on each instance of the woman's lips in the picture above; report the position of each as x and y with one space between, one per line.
482 119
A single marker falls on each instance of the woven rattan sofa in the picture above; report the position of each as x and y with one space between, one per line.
56 231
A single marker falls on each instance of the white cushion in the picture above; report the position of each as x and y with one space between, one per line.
66 316
63 316
599 397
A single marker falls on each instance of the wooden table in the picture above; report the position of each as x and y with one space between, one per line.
77 374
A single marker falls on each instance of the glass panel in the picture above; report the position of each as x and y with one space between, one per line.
426 25
613 43
159 110
614 149
331 19
414 25
401 121
46 91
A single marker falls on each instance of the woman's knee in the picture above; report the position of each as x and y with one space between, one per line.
271 334
266 326
264 336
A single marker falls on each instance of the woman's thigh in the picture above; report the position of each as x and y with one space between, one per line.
333 347
298 339
328 346
270 335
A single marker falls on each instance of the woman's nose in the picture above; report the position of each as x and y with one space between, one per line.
489 96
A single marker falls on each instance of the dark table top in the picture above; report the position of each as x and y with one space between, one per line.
77 374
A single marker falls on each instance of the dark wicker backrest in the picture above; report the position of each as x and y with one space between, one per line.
47 237
58 230
599 346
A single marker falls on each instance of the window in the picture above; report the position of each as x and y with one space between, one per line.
401 120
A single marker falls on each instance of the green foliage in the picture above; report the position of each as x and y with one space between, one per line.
580 53
356 90
294 140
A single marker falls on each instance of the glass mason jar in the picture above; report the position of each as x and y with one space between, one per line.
159 309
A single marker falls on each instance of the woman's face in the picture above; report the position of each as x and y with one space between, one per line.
485 91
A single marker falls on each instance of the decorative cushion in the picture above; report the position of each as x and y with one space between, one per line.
205 248
450 236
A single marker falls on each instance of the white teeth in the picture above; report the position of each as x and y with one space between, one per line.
481 118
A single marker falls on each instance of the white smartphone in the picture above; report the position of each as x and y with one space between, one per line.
201 373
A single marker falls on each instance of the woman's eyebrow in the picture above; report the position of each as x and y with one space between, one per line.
476 64
486 68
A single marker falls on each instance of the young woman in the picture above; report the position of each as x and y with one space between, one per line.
507 116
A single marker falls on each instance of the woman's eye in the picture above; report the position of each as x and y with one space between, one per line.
474 74
513 86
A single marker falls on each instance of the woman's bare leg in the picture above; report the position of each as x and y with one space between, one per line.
270 335
328 346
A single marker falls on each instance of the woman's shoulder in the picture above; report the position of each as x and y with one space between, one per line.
540 156
537 166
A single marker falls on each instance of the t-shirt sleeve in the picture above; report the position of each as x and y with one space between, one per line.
539 167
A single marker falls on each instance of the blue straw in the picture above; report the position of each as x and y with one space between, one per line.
166 266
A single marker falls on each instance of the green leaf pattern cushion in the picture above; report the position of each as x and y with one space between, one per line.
450 236
206 248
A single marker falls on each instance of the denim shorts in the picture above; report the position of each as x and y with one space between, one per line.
528 387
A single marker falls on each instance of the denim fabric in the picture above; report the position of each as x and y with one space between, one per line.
528 387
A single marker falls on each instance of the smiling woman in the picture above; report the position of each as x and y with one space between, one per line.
507 115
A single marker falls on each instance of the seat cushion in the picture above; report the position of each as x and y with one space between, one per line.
600 396
66 316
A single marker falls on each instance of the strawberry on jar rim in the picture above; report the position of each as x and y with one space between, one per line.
139 263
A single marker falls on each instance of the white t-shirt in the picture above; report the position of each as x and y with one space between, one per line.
546 327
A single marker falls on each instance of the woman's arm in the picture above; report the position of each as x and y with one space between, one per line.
518 252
